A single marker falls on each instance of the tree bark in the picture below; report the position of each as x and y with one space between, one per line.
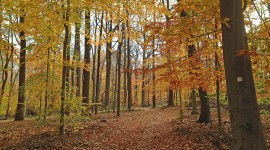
108 65
65 71
205 114
77 56
170 98
119 77
143 75
98 65
218 91
115 85
193 102
47 85
86 72
21 93
245 119
129 73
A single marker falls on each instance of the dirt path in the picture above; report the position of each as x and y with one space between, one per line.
148 129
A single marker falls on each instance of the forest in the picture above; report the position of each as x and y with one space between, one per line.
135 74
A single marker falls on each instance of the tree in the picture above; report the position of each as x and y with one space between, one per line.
65 68
86 72
129 73
21 93
108 62
193 102
205 114
170 91
98 64
77 54
143 75
244 113
119 73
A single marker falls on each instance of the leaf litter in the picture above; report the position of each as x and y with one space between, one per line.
146 129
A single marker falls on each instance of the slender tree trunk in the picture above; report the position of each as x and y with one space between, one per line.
136 88
181 106
217 91
115 85
143 75
47 84
65 71
77 56
125 72
108 65
245 119
21 93
148 82
154 66
94 79
86 72
94 66
217 66
98 66
129 73
119 77
170 91
40 105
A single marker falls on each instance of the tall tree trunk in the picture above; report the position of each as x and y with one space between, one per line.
154 66
125 71
65 71
21 93
98 65
77 56
143 75
136 88
115 85
86 72
119 76
47 84
245 119
94 66
154 84
217 67
217 91
170 91
108 65
129 73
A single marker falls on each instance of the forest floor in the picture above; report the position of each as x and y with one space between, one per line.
143 129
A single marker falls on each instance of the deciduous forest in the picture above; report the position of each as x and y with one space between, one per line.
135 74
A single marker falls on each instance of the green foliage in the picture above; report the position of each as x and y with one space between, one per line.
264 105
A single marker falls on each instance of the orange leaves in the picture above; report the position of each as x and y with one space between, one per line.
246 52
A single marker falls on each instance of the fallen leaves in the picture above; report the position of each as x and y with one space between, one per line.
145 129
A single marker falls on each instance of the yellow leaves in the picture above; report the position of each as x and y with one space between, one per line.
225 21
